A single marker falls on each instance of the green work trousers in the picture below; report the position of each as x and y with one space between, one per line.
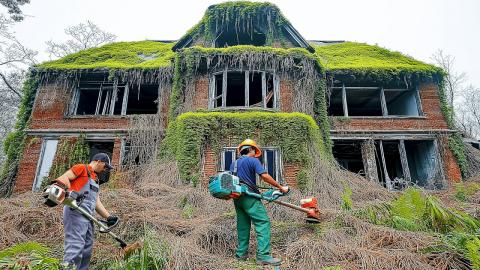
252 210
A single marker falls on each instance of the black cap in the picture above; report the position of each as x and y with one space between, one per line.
103 157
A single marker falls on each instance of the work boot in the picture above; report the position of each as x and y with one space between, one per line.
270 261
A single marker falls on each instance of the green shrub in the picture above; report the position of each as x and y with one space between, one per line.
154 255
347 202
29 255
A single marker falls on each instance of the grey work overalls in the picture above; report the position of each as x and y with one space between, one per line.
78 242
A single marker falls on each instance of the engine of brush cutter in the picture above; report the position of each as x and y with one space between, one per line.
225 185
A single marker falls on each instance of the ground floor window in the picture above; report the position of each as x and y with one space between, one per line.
45 161
270 159
394 164
101 147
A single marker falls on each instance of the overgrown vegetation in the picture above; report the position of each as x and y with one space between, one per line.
15 141
28 255
191 132
413 211
373 63
243 16
119 55
71 151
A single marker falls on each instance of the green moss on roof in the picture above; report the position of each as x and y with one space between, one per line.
363 59
119 55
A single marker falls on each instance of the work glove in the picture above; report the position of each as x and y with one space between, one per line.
284 189
112 220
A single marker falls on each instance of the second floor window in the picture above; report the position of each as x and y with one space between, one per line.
244 89
99 98
374 101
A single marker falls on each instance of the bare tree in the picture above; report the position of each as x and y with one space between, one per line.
15 58
468 116
82 36
453 80
14 8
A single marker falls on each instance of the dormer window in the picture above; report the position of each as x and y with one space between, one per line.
230 36
244 89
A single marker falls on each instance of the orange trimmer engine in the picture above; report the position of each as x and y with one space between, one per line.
313 214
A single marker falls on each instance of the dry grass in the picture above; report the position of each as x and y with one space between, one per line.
200 230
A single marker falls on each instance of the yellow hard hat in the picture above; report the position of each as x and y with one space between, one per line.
252 143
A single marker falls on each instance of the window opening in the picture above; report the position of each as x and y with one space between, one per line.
422 162
364 102
244 89
143 99
49 148
335 107
401 102
101 147
232 36
349 155
270 160
235 89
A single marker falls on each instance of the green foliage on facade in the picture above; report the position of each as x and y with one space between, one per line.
14 143
191 132
68 154
373 63
120 55
455 141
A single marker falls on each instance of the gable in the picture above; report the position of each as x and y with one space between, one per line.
243 23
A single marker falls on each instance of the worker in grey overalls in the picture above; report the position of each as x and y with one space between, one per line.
82 179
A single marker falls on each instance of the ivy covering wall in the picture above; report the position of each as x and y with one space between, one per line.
70 151
14 143
189 134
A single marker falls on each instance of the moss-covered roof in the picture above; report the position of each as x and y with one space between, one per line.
362 59
119 55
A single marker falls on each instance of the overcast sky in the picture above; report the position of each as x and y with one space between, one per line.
414 27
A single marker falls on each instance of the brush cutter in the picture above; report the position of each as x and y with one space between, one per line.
55 195
225 185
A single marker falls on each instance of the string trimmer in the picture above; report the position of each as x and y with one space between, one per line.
55 195
225 185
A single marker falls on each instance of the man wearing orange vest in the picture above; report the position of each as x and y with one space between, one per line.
251 210
83 179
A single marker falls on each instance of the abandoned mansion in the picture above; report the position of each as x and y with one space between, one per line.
242 72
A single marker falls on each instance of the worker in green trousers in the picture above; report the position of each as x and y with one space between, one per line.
251 210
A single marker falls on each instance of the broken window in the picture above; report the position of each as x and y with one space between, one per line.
101 147
349 155
373 101
244 89
101 98
232 36
45 161
270 159
401 102
394 164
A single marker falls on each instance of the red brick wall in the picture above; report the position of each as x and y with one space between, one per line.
201 93
117 147
286 96
430 101
52 116
450 166
28 165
